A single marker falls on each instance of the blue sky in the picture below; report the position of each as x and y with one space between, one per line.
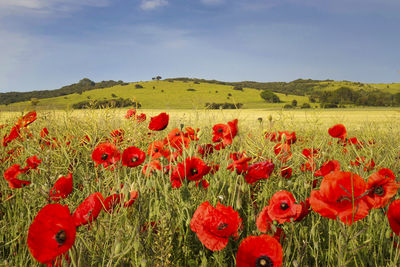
45 44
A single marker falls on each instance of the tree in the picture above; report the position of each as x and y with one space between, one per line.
158 78
34 101
294 103
269 97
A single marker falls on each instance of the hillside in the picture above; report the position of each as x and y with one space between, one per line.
187 93
167 95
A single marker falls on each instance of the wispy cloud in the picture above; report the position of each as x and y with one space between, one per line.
47 6
152 4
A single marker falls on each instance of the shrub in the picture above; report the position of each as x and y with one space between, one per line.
196 83
113 95
223 105
269 97
229 94
287 106
306 105
138 86
191 89
111 103
239 88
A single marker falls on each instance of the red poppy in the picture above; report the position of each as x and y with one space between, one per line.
44 132
159 122
393 215
342 195
11 175
130 113
118 135
27 119
271 136
33 162
214 226
338 131
133 156
177 139
308 166
260 170
106 154
178 175
195 169
261 250
205 149
286 172
158 149
16 183
288 138
305 209
191 133
263 221
149 168
328 167
111 202
225 132
382 188
89 209
282 207
310 153
368 165
14 134
141 117
62 188
203 183
51 233
133 195
239 162
283 150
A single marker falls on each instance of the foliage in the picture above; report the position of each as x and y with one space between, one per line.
269 96
223 105
111 103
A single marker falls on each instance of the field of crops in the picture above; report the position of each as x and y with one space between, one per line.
200 188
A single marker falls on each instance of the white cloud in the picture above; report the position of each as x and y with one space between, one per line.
47 6
152 4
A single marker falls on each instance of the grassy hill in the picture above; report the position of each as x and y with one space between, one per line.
167 95
186 93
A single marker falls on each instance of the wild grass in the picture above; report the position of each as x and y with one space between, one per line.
120 240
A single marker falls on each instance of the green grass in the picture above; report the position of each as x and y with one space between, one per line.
117 240
174 95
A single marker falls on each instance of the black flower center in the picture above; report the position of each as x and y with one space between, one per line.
220 130
284 206
134 159
194 171
61 237
178 134
222 226
104 156
156 150
379 191
264 261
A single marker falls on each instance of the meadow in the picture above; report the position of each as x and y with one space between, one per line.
155 229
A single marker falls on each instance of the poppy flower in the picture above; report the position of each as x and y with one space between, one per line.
141 117
282 207
203 183
118 135
240 162
263 221
133 156
195 169
44 132
150 167
271 136
214 226
88 210
106 154
368 165
62 188
288 138
157 149
382 188
191 133
177 139
11 175
261 250
206 149
133 195
159 122
328 167
17 183
286 172
51 233
283 150
393 215
33 162
308 166
305 209
225 132
310 153
130 113
111 202
338 131
14 134
260 170
341 195
27 119
178 175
